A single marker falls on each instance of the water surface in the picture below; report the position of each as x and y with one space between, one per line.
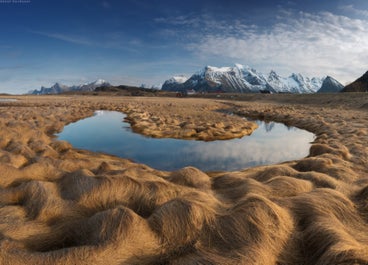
107 132
7 99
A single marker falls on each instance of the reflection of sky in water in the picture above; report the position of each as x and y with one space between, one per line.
270 143
7 99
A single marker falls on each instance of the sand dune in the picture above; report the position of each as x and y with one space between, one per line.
60 205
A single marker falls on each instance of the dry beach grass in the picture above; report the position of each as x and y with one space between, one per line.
60 205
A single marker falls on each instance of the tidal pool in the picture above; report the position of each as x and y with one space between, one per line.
107 132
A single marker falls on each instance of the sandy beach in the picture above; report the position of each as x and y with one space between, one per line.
61 205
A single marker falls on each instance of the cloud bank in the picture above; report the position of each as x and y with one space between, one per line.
314 44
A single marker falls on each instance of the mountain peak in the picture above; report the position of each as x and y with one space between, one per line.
217 69
99 82
180 78
243 67
272 72
330 85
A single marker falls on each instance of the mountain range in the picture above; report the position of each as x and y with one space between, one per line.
244 79
58 88
236 79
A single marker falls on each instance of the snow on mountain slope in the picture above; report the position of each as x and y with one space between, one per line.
244 79
174 83
211 78
177 79
295 83
91 86
99 82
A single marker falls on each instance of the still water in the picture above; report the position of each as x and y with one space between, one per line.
7 100
107 132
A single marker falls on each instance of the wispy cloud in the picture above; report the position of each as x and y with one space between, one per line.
354 10
182 20
314 44
63 37
198 24
110 40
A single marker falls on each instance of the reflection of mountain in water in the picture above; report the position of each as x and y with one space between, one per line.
269 126
291 128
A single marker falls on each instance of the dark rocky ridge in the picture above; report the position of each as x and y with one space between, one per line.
359 85
330 85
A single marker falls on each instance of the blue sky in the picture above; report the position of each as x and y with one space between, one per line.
135 41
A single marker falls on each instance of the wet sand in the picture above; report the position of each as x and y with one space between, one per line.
60 205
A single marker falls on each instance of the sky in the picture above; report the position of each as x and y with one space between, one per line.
136 42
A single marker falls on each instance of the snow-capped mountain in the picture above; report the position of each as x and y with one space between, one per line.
228 79
242 79
92 86
174 83
295 83
59 88
330 85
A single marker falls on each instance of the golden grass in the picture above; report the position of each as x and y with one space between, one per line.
65 206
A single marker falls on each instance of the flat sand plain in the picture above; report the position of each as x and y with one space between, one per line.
60 205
